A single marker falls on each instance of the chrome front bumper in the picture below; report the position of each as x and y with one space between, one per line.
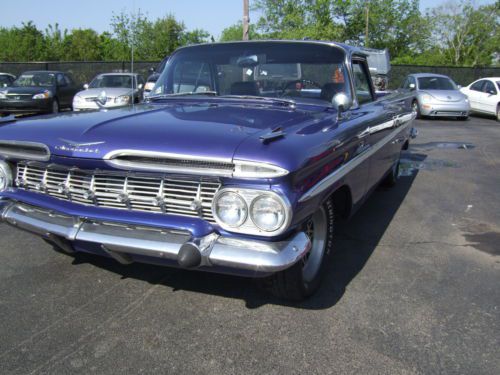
129 243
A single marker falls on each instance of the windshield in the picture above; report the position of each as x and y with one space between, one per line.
292 70
115 81
37 79
436 83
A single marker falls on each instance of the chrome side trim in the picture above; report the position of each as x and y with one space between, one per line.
123 241
9 152
345 169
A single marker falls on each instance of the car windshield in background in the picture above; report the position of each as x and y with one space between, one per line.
41 79
115 81
498 84
436 83
298 71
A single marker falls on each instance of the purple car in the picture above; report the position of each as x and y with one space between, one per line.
240 162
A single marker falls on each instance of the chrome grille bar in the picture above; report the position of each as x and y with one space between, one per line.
176 196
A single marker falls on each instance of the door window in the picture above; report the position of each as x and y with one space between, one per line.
362 82
60 80
477 86
489 88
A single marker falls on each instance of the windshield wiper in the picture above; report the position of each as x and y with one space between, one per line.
177 94
280 101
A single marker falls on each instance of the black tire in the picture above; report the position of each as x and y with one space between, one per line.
463 118
304 277
55 106
392 178
498 112
416 108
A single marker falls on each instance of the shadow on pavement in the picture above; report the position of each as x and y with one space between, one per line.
355 243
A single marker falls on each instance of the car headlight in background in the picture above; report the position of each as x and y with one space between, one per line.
43 95
149 86
269 212
124 99
426 98
78 99
231 209
3 95
5 176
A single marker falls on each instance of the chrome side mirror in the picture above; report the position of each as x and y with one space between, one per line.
86 86
341 102
412 86
140 86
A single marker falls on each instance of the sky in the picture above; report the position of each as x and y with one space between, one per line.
211 15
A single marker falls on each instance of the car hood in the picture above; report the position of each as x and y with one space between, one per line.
26 90
111 92
446 95
198 130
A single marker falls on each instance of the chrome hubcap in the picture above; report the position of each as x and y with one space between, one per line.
316 230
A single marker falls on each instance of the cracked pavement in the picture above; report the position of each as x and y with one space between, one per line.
412 289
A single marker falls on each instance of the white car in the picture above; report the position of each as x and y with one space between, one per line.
110 90
484 96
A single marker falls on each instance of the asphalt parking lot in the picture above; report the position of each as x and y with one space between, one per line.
413 289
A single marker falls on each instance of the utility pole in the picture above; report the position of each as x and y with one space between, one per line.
367 23
246 20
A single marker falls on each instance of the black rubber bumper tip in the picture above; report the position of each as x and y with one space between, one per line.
189 256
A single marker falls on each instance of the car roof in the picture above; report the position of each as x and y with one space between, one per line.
490 78
119 74
6 74
347 48
421 75
43 71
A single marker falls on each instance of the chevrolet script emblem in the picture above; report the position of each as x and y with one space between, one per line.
82 147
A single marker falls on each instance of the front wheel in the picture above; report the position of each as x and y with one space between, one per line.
416 108
55 106
304 277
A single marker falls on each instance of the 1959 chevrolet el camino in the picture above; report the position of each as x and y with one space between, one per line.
240 162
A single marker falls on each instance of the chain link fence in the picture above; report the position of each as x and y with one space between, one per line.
83 72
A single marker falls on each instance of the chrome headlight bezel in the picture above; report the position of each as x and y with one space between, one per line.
248 226
122 99
5 176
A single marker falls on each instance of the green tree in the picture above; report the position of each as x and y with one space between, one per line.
235 32
22 44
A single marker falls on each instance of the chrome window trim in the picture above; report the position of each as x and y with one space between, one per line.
248 226
336 175
24 155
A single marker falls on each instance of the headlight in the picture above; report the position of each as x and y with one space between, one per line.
267 213
78 99
5 176
231 209
124 99
426 98
44 95
3 95
149 86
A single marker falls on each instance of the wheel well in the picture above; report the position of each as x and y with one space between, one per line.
342 201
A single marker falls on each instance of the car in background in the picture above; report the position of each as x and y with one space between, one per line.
38 92
153 77
379 63
110 90
6 79
436 95
484 96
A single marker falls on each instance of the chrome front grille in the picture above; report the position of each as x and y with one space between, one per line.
176 196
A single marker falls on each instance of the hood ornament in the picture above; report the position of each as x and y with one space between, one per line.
81 147
102 99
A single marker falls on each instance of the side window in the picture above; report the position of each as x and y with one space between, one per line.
192 77
60 80
477 86
68 80
406 84
489 87
362 82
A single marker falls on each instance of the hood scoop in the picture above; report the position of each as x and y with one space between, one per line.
169 163
272 135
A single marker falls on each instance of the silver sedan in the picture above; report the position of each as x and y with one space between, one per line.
436 95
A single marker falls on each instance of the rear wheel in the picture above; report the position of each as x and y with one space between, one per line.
304 277
498 112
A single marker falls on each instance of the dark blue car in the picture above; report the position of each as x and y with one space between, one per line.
240 162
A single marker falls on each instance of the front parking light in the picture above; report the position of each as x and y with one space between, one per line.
5 176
